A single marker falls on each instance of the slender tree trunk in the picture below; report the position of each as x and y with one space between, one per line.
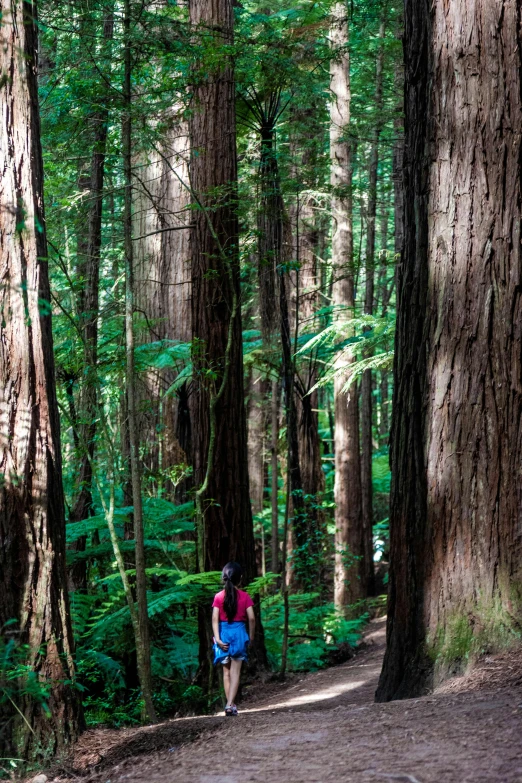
274 475
305 301
256 416
312 475
88 310
366 383
32 518
304 540
275 243
142 637
347 489
300 517
256 428
398 165
398 212
284 574
270 232
224 514
385 289
456 549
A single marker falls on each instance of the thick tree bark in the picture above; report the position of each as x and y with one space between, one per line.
220 458
32 522
347 489
228 531
456 549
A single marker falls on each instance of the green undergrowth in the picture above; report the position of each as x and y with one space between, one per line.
105 655
319 635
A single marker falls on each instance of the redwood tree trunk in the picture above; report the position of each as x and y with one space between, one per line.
347 489
456 549
32 522
226 532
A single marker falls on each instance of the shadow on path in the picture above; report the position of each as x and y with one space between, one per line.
326 728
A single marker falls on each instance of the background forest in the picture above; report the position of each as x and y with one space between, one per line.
222 251
317 129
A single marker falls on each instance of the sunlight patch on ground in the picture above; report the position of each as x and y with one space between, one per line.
309 698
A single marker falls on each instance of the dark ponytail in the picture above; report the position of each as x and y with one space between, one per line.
231 576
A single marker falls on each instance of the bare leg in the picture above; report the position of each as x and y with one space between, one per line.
226 680
235 674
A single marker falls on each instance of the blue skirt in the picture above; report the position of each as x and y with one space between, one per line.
236 636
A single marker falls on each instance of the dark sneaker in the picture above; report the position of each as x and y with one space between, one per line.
234 710
229 711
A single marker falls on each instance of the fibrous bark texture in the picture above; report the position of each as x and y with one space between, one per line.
32 521
347 489
227 532
456 517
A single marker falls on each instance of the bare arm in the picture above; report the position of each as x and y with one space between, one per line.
251 623
215 628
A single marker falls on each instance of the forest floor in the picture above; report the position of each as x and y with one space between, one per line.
325 727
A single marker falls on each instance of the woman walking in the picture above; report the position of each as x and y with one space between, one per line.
231 610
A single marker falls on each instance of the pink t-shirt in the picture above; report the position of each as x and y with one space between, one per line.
243 602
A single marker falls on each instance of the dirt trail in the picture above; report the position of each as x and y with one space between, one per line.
327 728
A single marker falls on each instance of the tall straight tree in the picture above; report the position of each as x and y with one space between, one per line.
32 522
366 383
456 549
347 489
140 621
305 222
225 528
257 426
162 277
88 310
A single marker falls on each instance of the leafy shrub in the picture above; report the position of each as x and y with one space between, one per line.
315 630
18 684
